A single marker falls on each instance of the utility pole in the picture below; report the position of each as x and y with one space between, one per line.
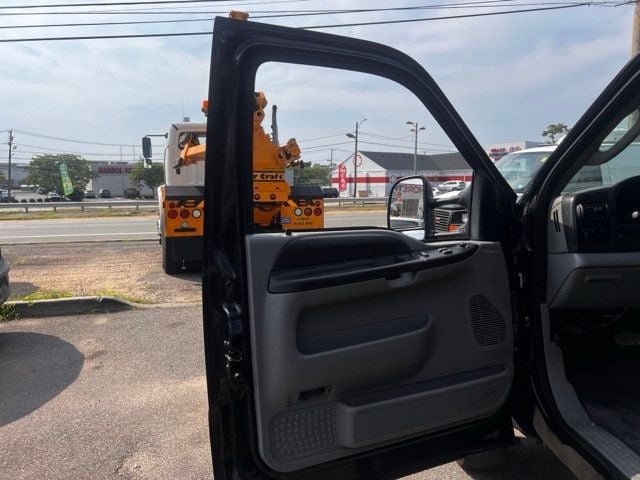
635 36
331 169
274 126
10 143
415 130
635 49
355 157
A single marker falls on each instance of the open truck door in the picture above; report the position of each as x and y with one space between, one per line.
347 353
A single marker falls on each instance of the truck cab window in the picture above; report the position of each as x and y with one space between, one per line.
345 138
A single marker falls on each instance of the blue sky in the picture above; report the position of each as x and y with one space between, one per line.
508 76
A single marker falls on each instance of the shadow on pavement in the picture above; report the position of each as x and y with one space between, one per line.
34 368
527 461
23 288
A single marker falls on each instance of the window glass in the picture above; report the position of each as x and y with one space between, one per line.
356 135
520 167
617 158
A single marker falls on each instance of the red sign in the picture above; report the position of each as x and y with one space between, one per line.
116 170
498 152
342 178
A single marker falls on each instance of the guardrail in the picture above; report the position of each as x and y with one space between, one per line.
26 206
382 201
138 204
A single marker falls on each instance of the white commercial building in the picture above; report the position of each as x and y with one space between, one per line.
18 172
378 171
113 176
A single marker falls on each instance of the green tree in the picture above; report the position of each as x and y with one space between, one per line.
44 170
151 177
3 179
312 175
554 130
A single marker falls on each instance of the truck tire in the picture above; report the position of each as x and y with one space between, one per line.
169 264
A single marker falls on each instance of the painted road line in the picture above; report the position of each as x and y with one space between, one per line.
78 235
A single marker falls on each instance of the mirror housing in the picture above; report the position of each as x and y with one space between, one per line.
146 148
411 206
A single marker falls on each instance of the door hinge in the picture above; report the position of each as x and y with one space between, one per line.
233 342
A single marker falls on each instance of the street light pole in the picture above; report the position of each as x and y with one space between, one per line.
9 166
355 157
415 129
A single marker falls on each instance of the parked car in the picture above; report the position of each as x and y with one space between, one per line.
5 290
104 193
54 197
89 194
131 193
330 192
41 191
4 197
366 353
451 185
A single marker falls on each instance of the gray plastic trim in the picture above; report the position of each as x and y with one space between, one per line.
414 352
556 236
362 425
593 280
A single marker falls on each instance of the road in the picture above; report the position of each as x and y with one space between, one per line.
138 228
77 230
123 395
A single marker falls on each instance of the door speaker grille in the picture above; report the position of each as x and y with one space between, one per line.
303 432
488 325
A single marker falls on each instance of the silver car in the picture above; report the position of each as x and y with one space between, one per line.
5 291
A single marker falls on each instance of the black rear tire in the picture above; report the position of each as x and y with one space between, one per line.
169 264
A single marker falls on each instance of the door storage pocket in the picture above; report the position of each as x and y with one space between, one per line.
421 407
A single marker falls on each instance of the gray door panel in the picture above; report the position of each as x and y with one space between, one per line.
342 368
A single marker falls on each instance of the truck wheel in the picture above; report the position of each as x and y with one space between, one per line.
484 461
169 264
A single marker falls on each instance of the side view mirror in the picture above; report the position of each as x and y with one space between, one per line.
410 206
146 148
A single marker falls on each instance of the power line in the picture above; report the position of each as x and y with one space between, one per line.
405 146
100 24
49 137
322 138
448 17
292 13
402 139
103 37
325 146
312 27
156 10
115 154
136 2
314 12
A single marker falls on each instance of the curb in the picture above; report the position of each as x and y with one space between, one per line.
70 306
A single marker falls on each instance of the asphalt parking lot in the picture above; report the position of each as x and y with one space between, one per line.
124 396
104 396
